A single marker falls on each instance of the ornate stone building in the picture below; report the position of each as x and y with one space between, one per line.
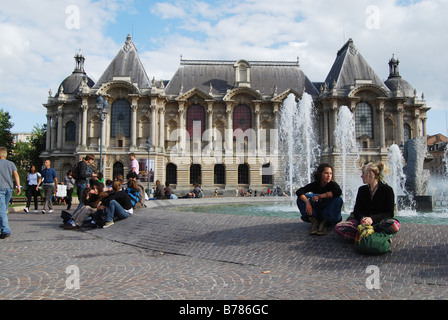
216 122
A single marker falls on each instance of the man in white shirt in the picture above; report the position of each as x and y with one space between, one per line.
134 164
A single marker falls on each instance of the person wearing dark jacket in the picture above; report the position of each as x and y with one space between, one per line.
320 202
375 202
117 204
82 174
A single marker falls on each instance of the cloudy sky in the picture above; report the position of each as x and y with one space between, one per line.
38 40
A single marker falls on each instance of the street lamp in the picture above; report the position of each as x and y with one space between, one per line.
103 110
149 145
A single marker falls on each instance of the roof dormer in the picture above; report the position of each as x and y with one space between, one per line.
242 73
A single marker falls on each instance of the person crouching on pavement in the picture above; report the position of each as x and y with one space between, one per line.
320 202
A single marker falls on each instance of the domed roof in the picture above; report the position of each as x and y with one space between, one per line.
72 83
395 83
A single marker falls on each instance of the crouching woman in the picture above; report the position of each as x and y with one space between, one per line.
320 202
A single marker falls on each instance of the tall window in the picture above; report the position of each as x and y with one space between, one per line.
266 177
242 118
196 119
118 169
121 119
70 132
407 132
220 174
364 120
243 174
171 173
195 173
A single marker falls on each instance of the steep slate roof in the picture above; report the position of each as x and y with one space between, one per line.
350 66
126 63
265 76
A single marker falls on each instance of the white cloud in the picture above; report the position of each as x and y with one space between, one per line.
39 48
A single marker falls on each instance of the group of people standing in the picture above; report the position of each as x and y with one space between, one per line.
320 202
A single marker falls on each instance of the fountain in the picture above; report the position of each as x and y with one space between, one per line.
417 178
298 141
346 143
396 177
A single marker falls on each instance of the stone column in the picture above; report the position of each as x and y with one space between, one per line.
382 130
334 121
48 137
210 121
229 128
162 128
424 126
85 109
182 128
326 130
153 124
60 126
400 131
134 109
257 128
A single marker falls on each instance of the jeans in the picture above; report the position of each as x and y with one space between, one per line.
80 190
325 209
5 197
115 209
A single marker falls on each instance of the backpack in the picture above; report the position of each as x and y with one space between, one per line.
134 195
374 240
76 172
374 244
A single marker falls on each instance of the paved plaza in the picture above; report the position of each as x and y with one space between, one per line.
160 253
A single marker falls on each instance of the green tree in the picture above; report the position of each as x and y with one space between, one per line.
6 138
38 144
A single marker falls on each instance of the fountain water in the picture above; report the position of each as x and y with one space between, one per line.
396 177
298 141
346 144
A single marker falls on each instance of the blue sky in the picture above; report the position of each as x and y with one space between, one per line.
38 45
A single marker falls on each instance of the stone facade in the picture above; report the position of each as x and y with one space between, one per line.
215 122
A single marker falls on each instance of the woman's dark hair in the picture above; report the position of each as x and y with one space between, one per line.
320 169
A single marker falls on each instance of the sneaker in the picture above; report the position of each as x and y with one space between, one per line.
36 211
43 211
4 236
26 210
108 224
51 211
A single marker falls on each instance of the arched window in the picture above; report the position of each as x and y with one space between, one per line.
118 169
364 120
195 173
220 174
196 120
242 119
70 132
266 174
121 119
407 132
171 173
243 174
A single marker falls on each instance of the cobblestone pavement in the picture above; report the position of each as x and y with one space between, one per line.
164 254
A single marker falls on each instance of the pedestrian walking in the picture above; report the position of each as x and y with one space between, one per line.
49 184
7 170
31 192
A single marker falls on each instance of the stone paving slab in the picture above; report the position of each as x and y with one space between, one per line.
163 254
